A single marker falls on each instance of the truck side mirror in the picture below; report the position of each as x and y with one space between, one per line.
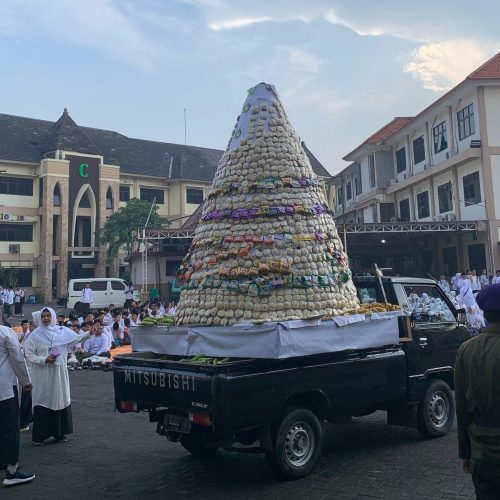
461 316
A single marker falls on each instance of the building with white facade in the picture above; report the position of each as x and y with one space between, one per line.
440 166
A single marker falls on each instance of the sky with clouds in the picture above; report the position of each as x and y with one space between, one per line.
343 68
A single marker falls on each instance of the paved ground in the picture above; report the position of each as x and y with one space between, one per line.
120 456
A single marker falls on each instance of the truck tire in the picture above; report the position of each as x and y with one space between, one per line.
297 441
199 442
436 410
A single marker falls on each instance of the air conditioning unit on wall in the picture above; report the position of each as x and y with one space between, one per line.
7 217
14 248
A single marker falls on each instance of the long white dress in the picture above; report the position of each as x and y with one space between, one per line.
51 387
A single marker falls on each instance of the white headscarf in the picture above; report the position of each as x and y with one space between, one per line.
466 296
57 335
37 318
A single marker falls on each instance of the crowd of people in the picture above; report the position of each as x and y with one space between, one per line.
12 301
462 290
45 349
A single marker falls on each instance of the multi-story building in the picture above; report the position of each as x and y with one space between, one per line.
59 182
440 166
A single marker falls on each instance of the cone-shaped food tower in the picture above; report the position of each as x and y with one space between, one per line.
266 247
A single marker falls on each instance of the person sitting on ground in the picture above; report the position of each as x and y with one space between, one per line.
134 317
109 316
126 332
172 309
61 320
96 345
117 331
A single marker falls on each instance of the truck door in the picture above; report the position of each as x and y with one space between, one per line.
437 335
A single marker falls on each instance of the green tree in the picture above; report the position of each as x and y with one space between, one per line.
122 230
8 276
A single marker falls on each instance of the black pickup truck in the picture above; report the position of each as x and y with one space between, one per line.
278 406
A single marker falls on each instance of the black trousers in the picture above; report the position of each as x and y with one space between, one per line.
9 431
25 411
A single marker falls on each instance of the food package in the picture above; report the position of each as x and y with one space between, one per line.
266 247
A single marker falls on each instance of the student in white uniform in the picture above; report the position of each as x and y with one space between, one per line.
86 299
12 370
443 284
47 351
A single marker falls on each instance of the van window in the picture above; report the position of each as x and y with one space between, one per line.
117 285
99 286
78 286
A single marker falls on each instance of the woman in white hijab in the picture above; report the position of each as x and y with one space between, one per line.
46 351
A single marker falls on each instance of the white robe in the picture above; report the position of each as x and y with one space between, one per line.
51 387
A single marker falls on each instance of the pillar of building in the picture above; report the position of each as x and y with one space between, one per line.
63 238
51 172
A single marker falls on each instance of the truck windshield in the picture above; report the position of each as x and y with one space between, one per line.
427 305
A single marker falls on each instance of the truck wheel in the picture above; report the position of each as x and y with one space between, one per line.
436 410
199 442
297 444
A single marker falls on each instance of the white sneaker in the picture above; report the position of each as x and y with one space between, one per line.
25 429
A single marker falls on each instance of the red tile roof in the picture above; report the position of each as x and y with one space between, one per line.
490 69
387 130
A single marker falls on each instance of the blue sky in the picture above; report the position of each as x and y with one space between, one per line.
342 68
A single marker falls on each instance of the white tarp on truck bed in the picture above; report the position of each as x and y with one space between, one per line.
271 340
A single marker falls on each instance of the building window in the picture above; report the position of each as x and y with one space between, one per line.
56 197
16 232
124 193
445 198
348 191
419 150
149 194
84 201
404 210
465 119
423 205
194 196
339 197
401 160
439 136
358 187
40 192
371 170
109 198
16 185
24 277
472 189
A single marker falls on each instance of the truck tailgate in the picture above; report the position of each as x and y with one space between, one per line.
152 383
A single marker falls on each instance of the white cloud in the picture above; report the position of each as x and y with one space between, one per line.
96 24
243 22
442 65
332 17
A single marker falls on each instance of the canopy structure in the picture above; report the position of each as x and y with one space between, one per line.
266 247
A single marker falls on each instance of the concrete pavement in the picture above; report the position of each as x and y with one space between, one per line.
114 455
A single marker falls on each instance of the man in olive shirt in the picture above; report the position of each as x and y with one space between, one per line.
477 395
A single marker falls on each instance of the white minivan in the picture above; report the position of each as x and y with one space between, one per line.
105 291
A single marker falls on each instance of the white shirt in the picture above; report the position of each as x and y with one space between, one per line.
495 280
9 297
96 344
475 284
12 364
18 296
129 292
51 389
484 280
444 285
86 296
